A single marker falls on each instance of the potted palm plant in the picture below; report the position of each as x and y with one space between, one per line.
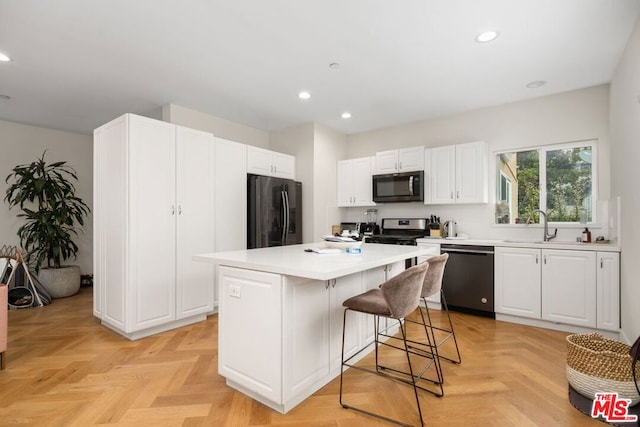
45 194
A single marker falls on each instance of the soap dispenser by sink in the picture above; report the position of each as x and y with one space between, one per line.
450 229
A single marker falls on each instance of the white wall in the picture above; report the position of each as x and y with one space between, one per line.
571 116
221 128
23 144
329 147
625 176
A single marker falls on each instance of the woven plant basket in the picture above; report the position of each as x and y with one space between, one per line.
596 364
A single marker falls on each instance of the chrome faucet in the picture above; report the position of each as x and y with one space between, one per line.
547 236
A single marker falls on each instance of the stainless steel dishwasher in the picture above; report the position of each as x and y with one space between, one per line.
468 279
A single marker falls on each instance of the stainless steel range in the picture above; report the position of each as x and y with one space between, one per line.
400 231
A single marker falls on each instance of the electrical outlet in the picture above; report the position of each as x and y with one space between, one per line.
235 291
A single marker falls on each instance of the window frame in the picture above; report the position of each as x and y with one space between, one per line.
542 156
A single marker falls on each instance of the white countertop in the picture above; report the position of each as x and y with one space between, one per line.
515 243
294 261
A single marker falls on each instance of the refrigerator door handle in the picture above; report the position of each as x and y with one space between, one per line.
284 217
288 211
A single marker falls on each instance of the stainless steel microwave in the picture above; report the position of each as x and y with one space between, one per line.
398 187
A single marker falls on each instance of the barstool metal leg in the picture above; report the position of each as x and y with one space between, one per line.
451 331
413 377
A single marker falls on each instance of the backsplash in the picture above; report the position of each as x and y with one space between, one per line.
477 220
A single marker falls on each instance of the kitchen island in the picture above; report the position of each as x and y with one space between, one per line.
280 315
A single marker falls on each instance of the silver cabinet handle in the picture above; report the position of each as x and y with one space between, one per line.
537 261
271 166
601 263
400 165
173 210
275 168
457 194
452 195
545 259
179 209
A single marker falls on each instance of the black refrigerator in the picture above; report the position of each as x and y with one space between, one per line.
274 211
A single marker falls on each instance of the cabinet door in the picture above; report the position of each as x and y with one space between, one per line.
443 175
517 282
608 290
343 288
428 176
284 165
569 287
387 162
371 279
151 295
195 196
411 159
250 330
345 183
306 343
362 183
471 172
259 161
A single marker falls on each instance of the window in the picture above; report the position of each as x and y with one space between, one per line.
557 179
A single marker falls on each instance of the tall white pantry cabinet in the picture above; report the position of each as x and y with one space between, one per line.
153 210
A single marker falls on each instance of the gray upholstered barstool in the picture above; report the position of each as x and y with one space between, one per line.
395 299
429 347
432 286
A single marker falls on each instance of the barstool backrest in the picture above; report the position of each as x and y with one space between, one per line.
402 292
433 278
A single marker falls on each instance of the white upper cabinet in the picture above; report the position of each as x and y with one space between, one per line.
270 163
459 174
354 182
402 160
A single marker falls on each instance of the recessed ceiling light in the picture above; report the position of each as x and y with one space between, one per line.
346 115
304 95
536 84
5 97
4 58
486 36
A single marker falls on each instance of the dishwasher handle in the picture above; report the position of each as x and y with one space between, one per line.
467 251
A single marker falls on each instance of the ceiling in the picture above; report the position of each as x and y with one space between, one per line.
77 64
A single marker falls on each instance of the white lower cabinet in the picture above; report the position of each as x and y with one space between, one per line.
250 331
517 282
569 287
294 326
563 286
608 290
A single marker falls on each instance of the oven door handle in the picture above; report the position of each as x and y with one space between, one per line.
467 251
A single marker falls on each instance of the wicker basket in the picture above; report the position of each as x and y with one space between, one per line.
596 364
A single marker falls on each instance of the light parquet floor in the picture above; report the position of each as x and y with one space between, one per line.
65 369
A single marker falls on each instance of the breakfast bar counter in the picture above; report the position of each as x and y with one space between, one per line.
280 315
